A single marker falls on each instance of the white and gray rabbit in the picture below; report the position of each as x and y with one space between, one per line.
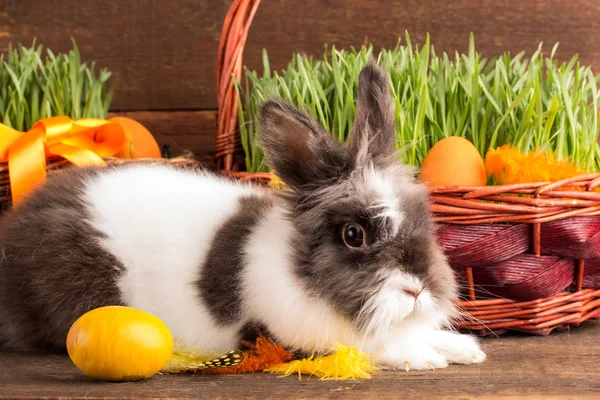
347 254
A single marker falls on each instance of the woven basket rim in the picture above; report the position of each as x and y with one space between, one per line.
528 202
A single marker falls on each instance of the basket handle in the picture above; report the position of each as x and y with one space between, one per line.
229 62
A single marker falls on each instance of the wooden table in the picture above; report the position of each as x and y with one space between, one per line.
562 365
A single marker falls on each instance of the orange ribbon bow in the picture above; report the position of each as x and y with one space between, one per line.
83 143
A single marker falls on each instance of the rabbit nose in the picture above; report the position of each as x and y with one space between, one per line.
412 293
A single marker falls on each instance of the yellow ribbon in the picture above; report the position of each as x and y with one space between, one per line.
83 143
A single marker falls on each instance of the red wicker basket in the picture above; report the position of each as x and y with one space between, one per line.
526 263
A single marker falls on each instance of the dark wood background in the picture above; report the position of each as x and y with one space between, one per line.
163 52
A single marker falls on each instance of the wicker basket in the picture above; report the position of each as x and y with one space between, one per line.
526 263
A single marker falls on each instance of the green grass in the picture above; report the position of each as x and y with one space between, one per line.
529 102
34 87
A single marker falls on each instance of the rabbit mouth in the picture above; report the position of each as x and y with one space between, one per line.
401 297
387 308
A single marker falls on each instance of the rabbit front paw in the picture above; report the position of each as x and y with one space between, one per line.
458 348
422 357
431 349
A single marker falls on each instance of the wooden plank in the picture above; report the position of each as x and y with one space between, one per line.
562 365
182 131
498 26
163 52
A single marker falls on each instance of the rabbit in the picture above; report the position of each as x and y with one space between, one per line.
345 253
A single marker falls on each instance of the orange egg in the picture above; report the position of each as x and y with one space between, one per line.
140 143
453 161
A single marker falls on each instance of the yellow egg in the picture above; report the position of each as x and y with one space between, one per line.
453 161
116 343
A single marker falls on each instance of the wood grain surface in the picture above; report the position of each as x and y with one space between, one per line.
559 366
163 52
498 26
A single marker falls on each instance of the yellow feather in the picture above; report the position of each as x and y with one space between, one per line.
187 359
275 182
345 363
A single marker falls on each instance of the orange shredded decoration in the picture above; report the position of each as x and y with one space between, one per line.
260 356
507 165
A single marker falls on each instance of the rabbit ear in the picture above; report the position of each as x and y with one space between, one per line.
297 148
374 131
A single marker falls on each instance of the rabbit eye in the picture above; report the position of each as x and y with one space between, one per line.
354 235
